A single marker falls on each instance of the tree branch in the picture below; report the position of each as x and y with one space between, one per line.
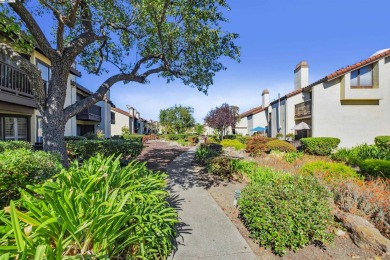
77 107
34 75
34 28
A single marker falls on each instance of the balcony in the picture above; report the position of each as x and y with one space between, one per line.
14 86
92 113
303 110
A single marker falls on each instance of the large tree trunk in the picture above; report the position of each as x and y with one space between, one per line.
53 116
53 136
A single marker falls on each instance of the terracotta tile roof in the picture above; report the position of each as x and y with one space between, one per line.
252 111
359 64
120 111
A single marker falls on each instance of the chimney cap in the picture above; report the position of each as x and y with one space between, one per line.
265 91
302 64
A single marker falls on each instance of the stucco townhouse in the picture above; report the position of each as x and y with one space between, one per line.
131 119
19 117
352 104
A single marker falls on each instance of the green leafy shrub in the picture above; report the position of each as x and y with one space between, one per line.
193 139
12 145
134 137
383 142
220 166
319 145
279 136
330 171
231 137
21 167
95 211
375 167
279 145
256 145
286 212
360 153
205 153
236 144
75 138
84 149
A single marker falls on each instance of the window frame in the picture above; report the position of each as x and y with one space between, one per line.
358 86
2 125
49 72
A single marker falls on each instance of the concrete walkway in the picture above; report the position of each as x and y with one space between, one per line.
205 231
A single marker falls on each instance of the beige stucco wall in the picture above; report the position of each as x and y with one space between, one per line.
354 122
121 120
290 110
259 119
242 126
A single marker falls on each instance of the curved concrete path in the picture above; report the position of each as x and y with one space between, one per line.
205 232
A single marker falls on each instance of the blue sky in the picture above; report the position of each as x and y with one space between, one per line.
274 36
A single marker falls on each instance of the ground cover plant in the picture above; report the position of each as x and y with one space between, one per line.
319 145
84 149
330 171
98 210
236 144
21 167
289 213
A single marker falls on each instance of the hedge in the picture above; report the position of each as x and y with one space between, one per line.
286 212
12 145
21 167
279 145
374 167
319 145
133 137
84 149
75 138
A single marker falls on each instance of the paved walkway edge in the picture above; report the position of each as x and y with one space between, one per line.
205 231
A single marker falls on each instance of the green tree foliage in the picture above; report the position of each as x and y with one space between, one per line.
125 41
177 119
199 129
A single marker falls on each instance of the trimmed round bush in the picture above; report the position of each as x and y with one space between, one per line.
374 167
236 144
22 167
220 166
279 145
287 212
319 145
256 145
330 171
12 145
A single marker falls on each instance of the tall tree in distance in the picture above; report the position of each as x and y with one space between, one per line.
177 119
174 39
223 117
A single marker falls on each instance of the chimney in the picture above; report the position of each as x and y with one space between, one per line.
301 75
265 96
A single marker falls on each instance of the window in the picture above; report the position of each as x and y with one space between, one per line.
362 78
45 73
15 128
39 130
